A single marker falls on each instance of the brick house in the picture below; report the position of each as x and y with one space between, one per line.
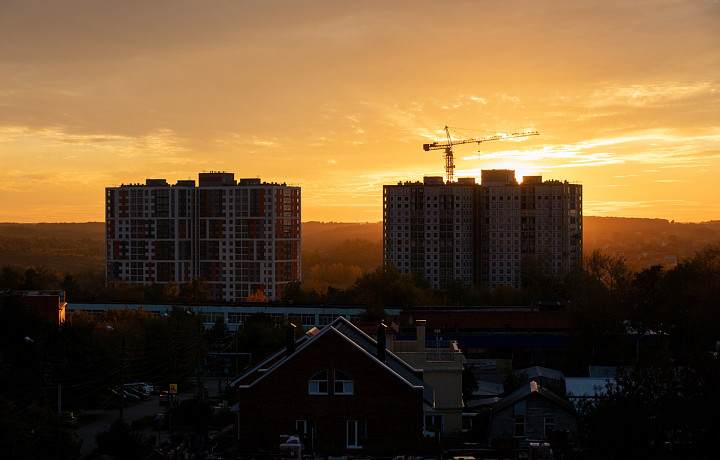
340 391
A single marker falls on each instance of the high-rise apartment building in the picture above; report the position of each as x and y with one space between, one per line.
484 234
242 237
429 229
533 225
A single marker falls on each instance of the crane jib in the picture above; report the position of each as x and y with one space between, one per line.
447 146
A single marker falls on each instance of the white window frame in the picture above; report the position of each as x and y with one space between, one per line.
347 385
301 427
316 384
352 434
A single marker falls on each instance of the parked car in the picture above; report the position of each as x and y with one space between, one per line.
134 392
144 387
165 398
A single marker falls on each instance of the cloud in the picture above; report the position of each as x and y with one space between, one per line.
650 94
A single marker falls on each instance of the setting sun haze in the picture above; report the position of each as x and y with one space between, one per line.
338 97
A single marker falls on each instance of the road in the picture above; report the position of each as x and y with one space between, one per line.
138 410
102 423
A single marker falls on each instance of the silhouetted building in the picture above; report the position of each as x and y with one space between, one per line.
242 238
531 229
49 306
531 413
339 390
489 234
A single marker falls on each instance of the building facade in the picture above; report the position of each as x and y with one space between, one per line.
429 229
441 362
486 234
534 227
340 391
242 237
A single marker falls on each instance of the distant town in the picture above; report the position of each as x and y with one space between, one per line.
478 320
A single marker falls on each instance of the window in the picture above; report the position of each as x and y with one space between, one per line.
301 427
318 384
343 385
435 422
353 441
549 426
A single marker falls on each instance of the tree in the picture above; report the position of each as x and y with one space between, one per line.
34 432
259 336
121 442
662 410
195 289
387 286
11 278
71 287
257 296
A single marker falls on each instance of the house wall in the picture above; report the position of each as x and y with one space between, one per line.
444 375
538 407
389 411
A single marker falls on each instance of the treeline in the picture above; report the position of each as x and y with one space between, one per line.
334 257
65 248
80 365
647 242
340 265
89 285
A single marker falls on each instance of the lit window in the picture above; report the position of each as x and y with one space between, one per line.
343 384
318 384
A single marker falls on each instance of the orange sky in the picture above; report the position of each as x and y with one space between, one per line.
339 96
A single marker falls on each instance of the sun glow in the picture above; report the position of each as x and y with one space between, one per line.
340 101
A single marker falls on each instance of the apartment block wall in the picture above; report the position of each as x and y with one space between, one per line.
484 234
241 237
428 229
534 225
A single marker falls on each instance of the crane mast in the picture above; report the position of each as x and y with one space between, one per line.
447 146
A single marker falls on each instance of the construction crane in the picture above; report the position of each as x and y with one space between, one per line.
447 146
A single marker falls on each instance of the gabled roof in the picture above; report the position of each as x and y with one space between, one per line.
346 330
538 371
529 389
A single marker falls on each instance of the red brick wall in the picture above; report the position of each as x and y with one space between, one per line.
389 411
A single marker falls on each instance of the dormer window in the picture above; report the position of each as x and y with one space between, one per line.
343 385
318 384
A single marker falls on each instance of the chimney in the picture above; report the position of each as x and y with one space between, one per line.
290 339
381 341
420 347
